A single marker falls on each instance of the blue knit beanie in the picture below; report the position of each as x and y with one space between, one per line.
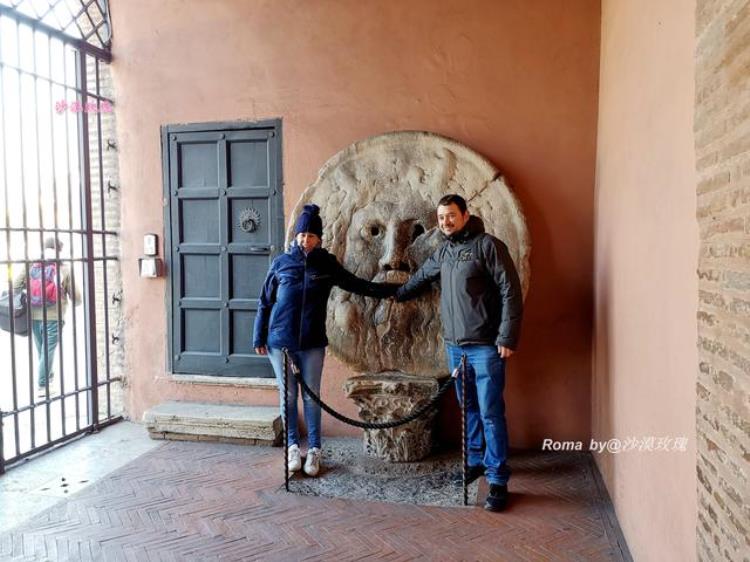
309 221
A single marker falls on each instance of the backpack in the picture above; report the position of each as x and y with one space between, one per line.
43 289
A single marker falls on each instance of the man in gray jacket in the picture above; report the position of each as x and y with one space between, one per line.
481 306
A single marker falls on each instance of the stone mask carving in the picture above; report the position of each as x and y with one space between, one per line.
378 199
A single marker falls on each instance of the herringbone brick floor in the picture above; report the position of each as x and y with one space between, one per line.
203 501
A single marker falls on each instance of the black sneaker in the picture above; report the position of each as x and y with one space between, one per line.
497 499
472 473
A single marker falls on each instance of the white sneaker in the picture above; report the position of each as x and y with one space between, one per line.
293 458
312 463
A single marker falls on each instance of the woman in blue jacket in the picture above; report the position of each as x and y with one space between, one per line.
292 315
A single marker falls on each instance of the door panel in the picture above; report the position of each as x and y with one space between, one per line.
197 221
248 163
202 331
242 323
226 222
198 166
247 274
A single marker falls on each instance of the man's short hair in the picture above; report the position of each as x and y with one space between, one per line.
454 199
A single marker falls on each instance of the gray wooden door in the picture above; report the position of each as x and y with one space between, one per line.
226 224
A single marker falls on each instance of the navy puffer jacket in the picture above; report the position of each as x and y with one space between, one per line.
293 302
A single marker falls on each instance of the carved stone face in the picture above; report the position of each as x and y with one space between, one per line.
387 242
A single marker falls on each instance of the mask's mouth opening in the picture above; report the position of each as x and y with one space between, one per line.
393 276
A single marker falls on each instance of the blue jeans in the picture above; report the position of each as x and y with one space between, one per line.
46 358
310 363
486 429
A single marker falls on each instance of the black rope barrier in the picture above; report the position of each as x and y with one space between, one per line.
379 425
432 404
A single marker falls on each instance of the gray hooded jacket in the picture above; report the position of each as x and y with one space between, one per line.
481 302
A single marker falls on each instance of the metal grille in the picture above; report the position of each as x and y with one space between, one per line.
87 20
58 180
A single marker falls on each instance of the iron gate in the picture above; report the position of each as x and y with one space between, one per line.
58 174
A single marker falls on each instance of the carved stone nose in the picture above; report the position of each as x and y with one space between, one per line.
395 250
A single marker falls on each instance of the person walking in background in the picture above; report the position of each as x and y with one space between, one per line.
49 290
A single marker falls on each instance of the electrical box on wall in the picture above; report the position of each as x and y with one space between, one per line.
151 244
150 266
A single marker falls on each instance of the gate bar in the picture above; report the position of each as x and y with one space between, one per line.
25 224
102 226
14 383
69 192
92 365
58 267
45 355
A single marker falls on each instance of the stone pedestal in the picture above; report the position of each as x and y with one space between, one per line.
390 396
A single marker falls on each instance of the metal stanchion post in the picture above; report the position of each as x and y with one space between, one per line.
464 459
2 443
285 394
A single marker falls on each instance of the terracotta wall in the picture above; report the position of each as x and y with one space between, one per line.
645 358
516 81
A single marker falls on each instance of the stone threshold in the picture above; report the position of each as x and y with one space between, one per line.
228 423
261 383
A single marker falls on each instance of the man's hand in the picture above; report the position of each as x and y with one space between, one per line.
504 352
261 350
393 289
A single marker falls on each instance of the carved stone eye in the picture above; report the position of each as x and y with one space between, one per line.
372 230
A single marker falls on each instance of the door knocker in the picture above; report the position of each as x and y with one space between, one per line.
249 220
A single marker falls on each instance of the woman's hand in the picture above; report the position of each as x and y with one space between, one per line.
262 350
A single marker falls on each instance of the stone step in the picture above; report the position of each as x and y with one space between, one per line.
227 423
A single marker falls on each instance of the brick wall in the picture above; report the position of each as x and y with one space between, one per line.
105 203
722 142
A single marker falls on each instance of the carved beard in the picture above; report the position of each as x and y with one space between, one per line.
406 335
